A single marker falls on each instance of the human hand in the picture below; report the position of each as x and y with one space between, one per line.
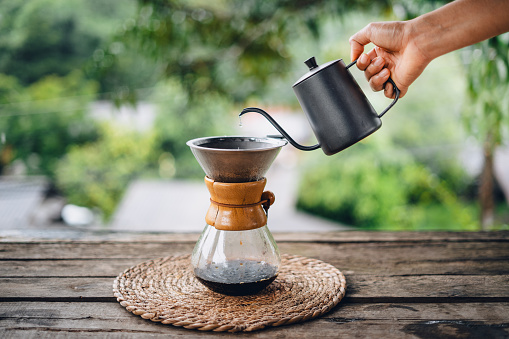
395 54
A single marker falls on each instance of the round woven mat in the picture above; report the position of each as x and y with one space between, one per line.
165 290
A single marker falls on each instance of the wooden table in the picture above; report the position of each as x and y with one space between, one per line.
415 285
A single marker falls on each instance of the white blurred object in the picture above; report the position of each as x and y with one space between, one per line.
501 164
77 216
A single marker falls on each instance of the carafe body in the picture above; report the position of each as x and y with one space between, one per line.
236 262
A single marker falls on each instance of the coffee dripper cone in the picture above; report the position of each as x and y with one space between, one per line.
236 253
235 159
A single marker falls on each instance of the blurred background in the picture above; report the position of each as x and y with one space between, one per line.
98 99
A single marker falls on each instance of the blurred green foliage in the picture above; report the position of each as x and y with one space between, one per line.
41 121
487 108
200 62
178 121
45 88
383 189
97 174
44 37
232 47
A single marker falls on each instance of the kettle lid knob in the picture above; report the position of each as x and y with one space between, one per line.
311 63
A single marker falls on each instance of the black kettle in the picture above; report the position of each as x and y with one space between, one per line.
337 109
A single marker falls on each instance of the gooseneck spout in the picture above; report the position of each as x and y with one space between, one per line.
279 128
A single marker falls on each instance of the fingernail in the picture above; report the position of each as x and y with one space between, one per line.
378 62
384 72
363 59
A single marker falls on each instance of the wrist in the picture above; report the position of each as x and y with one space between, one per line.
458 24
422 33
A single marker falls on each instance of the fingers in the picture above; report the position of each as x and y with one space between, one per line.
387 38
356 49
374 70
378 81
363 62
389 90
358 41
376 73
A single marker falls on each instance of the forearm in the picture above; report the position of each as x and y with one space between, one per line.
459 24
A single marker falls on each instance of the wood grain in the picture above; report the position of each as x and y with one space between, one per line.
401 285
346 320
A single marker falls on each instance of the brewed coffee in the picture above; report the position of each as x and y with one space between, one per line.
237 277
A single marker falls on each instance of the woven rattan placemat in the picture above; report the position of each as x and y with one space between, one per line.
165 290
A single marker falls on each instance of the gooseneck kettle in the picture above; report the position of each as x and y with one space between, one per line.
337 109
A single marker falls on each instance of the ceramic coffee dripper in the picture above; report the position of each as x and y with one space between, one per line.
337 109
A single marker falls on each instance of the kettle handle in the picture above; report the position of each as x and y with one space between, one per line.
389 80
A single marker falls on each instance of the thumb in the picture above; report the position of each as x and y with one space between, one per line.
357 43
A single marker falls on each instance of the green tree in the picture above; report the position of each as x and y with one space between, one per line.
219 53
376 188
177 121
233 47
97 174
45 37
487 110
47 48
38 123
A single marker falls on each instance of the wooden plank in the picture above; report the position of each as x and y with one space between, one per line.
87 250
361 288
99 289
491 313
424 251
397 288
339 236
347 320
375 236
349 265
409 258
434 287
105 259
66 268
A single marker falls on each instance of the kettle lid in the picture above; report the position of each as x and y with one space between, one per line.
314 68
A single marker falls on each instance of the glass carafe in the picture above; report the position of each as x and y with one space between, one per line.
236 262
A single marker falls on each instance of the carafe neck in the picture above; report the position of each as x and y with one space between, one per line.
238 206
